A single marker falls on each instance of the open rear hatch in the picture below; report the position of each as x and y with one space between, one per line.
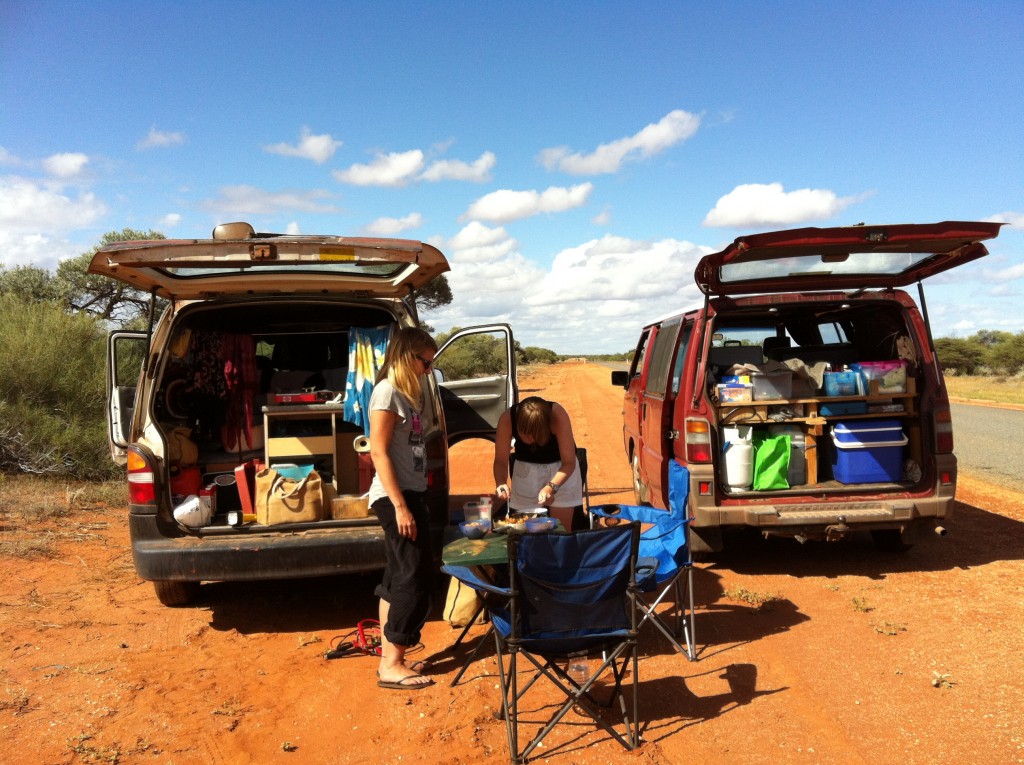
239 261
851 257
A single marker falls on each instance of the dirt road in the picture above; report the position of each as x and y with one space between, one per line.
808 654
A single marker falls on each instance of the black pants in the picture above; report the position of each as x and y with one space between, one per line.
409 572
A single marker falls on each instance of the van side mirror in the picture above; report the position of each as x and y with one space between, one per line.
620 378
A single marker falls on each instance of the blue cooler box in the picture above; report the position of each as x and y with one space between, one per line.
868 451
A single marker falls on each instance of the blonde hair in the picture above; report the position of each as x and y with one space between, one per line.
533 419
400 361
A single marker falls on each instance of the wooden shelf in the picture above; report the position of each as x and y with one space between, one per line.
759 413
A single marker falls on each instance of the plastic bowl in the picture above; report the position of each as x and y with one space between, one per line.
540 525
475 529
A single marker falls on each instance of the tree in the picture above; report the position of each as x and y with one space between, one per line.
963 356
101 296
434 294
30 283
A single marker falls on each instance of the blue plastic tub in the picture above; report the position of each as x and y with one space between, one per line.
843 384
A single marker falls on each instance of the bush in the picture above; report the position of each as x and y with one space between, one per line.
52 392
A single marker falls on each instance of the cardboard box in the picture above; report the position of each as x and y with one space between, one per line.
350 506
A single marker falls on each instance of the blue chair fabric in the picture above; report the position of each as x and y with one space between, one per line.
665 559
568 594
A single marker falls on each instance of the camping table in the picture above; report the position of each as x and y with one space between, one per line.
490 550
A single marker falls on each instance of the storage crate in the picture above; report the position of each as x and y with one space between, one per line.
843 407
869 451
843 384
734 394
891 375
772 386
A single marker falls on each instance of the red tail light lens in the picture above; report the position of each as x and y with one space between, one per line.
698 441
141 482
943 431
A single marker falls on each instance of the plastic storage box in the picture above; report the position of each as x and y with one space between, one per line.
868 451
891 375
734 394
772 386
843 384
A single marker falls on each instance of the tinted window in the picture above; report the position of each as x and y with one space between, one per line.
661 356
677 370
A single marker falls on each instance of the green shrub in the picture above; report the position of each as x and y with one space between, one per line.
52 392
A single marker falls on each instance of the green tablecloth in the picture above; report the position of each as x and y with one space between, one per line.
491 550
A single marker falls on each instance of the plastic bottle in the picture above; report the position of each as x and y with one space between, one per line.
578 669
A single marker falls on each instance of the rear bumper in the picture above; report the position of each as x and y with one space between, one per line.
831 512
257 556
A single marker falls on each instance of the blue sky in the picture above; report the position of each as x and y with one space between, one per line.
572 160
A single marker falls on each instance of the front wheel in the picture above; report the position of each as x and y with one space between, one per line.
172 593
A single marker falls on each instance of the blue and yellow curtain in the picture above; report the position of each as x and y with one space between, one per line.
366 347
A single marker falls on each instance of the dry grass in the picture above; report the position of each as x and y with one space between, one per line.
35 512
1002 390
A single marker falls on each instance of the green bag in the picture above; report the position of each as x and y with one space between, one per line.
771 462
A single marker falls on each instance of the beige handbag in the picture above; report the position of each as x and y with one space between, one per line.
287 500
462 604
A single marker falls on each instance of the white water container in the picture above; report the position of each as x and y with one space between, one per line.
738 454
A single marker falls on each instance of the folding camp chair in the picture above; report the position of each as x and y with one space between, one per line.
568 594
665 559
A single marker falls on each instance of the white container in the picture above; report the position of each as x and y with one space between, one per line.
738 453
797 474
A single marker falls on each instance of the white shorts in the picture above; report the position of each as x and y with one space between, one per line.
529 478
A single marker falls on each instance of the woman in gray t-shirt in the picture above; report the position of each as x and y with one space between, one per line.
397 496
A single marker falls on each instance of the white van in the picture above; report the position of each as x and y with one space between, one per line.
249 361
804 395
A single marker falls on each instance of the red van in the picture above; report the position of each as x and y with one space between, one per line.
804 394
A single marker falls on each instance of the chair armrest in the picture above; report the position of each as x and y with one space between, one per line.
646 569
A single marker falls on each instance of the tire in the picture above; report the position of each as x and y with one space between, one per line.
172 593
890 540
640 491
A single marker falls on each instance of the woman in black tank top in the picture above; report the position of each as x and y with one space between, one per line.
546 473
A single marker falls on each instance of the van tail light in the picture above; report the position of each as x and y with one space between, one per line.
698 441
943 431
141 478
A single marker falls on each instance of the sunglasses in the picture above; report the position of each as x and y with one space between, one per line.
426 362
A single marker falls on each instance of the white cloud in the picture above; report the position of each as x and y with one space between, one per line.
593 298
673 128
386 170
754 205
506 205
476 243
1015 219
249 200
292 229
28 207
392 226
65 165
603 218
457 170
6 158
159 138
36 250
318 148
170 220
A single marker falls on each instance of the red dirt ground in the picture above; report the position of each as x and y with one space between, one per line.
823 653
